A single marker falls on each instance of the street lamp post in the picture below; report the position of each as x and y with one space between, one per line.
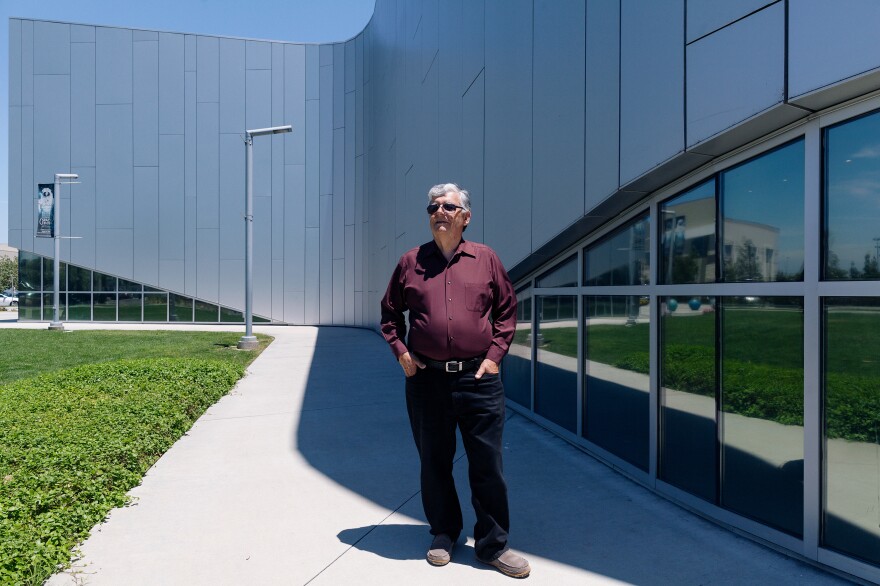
249 340
56 324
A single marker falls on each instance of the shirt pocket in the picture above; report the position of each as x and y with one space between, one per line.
477 296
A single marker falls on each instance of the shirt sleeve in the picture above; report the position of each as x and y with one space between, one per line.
393 307
503 313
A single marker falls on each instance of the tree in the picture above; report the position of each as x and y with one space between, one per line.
870 270
745 265
8 274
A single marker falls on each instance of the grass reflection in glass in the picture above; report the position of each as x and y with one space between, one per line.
851 490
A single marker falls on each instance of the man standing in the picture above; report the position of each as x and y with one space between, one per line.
462 316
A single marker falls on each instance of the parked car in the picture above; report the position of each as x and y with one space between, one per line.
8 300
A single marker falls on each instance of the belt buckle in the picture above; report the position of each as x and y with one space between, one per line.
457 366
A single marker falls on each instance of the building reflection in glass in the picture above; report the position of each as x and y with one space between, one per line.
622 258
688 236
762 206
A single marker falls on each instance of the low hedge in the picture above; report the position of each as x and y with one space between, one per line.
74 442
852 402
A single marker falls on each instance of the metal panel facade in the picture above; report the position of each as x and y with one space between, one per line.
735 73
508 163
830 42
707 16
113 65
602 140
558 123
651 85
82 104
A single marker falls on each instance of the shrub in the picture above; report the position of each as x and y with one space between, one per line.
852 401
74 442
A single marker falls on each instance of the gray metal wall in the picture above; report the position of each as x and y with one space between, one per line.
153 124
555 114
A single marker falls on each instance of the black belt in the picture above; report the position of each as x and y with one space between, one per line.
454 365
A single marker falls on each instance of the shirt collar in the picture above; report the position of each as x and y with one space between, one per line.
464 247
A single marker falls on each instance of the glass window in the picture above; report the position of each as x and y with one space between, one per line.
155 307
687 395
206 312
623 258
851 519
29 273
762 206
260 319
130 286
556 368
130 306
517 369
104 282
78 279
49 275
616 375
687 235
49 307
762 409
180 308
231 316
562 275
104 308
29 306
852 190
79 306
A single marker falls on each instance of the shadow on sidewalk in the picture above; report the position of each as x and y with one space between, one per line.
405 542
565 506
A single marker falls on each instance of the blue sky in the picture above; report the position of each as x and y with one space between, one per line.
310 21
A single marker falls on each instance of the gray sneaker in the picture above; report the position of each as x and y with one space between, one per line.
510 564
441 550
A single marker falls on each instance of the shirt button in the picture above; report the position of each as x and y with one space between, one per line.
450 317
450 298
448 282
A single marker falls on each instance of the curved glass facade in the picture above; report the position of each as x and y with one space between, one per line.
734 369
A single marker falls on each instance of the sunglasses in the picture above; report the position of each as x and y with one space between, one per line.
447 207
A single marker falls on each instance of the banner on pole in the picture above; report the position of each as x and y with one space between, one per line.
46 210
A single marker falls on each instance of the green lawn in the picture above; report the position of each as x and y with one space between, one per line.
83 415
30 352
762 365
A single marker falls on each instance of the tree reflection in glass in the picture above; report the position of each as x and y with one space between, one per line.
687 236
762 206
852 199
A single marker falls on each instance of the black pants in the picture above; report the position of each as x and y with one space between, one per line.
438 401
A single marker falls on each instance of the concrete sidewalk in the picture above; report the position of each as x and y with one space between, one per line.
306 474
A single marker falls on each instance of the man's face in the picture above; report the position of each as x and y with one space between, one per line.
449 224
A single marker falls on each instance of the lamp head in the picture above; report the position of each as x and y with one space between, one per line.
271 130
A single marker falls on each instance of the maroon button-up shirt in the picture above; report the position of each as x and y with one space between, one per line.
457 310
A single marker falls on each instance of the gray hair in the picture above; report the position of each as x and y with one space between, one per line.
444 188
